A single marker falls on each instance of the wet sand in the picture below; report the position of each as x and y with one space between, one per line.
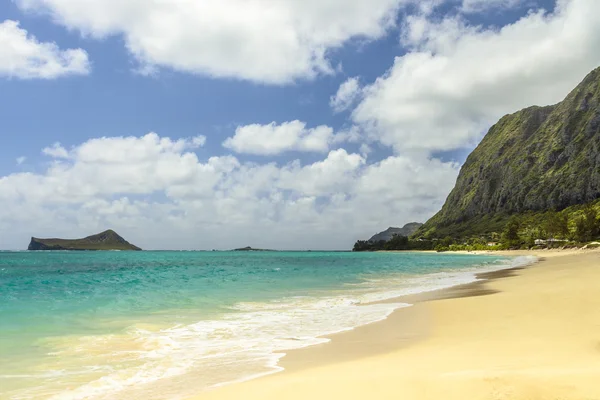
530 333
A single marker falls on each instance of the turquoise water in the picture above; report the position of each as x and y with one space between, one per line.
164 325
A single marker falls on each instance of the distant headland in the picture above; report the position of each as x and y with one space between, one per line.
408 230
108 240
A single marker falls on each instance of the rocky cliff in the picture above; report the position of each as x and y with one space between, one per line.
538 159
108 240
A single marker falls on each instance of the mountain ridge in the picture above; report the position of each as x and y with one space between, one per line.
407 230
535 160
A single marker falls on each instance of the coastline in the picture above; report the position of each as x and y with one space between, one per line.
469 341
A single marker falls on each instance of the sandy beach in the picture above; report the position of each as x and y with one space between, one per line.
531 333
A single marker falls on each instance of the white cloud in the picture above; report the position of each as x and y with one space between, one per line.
157 193
336 174
113 150
199 141
352 134
346 95
274 139
56 151
23 57
262 40
458 79
455 80
365 149
21 160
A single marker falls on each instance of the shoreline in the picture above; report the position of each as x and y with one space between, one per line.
340 345
329 352
400 334
329 313
368 340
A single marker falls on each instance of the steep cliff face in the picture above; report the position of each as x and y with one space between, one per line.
108 240
537 159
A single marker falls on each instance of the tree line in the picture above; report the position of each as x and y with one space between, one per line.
554 229
396 243
569 228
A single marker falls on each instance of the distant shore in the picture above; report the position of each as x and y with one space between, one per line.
516 334
508 253
539 253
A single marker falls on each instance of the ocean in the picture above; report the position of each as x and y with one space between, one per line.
167 325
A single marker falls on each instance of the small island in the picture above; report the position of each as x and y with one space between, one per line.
251 249
108 240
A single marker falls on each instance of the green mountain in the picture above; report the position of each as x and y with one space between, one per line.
108 240
538 159
388 234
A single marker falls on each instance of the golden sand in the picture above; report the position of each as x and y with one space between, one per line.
534 334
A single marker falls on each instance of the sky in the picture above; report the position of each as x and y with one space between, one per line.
198 124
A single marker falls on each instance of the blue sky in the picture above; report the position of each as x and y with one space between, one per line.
411 109
113 101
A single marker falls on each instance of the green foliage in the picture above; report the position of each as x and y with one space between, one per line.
365 245
538 159
396 243
572 226
447 241
587 226
556 225
399 243
510 236
581 230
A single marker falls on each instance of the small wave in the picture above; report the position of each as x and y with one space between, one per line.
523 261
249 341
397 285
243 344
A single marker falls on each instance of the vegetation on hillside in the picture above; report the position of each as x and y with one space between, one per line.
575 226
538 159
407 230
396 243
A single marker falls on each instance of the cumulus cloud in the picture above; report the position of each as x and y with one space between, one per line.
454 81
158 193
22 56
274 139
114 150
56 151
346 95
263 40
335 174
457 79
365 149
21 160
198 141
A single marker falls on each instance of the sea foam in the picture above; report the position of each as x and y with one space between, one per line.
248 340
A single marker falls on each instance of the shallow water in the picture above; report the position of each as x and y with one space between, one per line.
164 325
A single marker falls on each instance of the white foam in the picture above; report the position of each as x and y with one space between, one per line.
249 341
393 286
257 333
